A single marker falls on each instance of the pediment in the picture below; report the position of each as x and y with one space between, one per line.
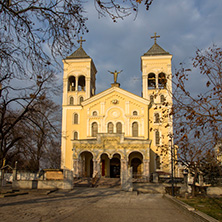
119 93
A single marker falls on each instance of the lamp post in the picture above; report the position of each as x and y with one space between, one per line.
172 162
185 175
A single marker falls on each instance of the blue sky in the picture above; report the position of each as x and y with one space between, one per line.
183 25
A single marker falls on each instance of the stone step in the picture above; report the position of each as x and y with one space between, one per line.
108 182
82 182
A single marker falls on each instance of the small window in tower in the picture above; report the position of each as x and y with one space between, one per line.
157 137
110 127
94 113
71 83
80 100
94 129
71 101
76 118
81 83
151 81
151 99
119 127
135 129
135 113
162 99
162 81
156 118
75 135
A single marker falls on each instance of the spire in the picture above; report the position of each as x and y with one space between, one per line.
80 52
156 49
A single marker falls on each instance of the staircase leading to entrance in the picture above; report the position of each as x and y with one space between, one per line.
101 182
82 182
109 182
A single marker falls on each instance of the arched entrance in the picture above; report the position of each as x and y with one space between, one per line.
86 159
115 166
136 162
105 163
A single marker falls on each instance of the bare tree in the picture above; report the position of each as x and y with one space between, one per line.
32 35
119 9
198 118
20 106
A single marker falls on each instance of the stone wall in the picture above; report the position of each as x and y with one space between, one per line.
42 184
21 176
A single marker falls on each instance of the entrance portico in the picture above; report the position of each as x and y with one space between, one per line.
111 155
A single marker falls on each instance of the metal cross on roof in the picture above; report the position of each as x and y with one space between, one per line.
81 41
155 37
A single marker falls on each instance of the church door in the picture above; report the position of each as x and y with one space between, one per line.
115 168
103 167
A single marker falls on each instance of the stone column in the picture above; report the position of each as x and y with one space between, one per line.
146 170
76 89
96 167
126 177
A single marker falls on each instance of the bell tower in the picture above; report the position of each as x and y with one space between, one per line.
156 72
79 78
157 89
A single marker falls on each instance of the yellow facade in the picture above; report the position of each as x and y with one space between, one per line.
107 133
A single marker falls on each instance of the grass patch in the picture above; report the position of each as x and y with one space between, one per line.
208 205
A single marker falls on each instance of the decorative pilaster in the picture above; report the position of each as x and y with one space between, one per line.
88 87
76 168
145 86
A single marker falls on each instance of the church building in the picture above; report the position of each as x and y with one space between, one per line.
108 133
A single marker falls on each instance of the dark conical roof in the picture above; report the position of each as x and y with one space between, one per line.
78 54
156 50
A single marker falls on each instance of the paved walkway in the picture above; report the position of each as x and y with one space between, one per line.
90 205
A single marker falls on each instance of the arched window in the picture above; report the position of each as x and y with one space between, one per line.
119 127
94 113
76 118
151 99
162 99
94 129
75 136
71 83
151 81
156 118
162 81
157 162
110 127
135 129
80 99
71 101
135 113
157 137
81 83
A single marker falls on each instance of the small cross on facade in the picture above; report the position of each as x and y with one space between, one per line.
81 41
155 37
